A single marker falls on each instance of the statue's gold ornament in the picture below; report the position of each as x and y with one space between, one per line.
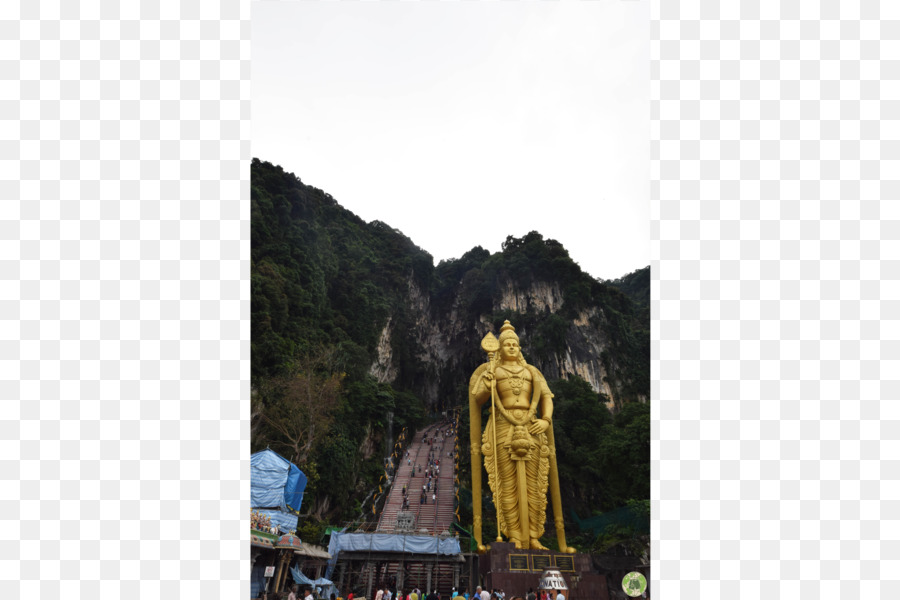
518 446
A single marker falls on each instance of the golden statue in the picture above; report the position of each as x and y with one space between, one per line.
525 458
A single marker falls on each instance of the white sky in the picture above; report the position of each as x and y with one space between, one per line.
460 123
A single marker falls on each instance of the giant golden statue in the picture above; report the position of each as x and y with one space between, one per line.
517 444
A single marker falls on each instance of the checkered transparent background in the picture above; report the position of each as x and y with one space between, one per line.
124 354
776 300
124 362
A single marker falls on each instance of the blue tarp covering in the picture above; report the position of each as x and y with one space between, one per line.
257 581
275 485
324 586
391 542
388 542
275 482
299 577
293 491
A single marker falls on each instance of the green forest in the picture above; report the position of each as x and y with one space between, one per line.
324 285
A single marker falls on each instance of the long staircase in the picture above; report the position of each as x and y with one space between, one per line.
432 516
360 571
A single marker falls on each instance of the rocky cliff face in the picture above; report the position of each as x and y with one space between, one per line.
584 341
538 297
384 369
584 344
447 347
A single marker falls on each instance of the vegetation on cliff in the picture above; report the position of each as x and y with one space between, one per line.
322 284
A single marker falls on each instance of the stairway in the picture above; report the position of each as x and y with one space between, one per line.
434 517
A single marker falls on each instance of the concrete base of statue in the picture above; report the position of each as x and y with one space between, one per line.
505 567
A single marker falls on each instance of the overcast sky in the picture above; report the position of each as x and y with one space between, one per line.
460 123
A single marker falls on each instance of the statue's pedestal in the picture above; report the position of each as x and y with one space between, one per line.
514 571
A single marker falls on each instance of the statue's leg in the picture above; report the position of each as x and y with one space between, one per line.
524 531
538 470
508 500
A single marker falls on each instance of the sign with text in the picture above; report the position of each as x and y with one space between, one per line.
565 563
270 571
540 562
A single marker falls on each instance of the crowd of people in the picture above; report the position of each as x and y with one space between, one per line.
385 593
499 594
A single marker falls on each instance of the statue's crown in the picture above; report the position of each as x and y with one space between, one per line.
508 331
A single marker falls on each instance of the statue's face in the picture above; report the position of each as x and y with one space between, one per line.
509 349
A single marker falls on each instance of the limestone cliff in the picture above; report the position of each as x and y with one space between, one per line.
447 345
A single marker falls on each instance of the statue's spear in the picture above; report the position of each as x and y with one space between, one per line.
489 344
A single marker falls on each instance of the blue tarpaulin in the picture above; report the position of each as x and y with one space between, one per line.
257 580
391 542
276 484
293 490
324 585
388 542
299 577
